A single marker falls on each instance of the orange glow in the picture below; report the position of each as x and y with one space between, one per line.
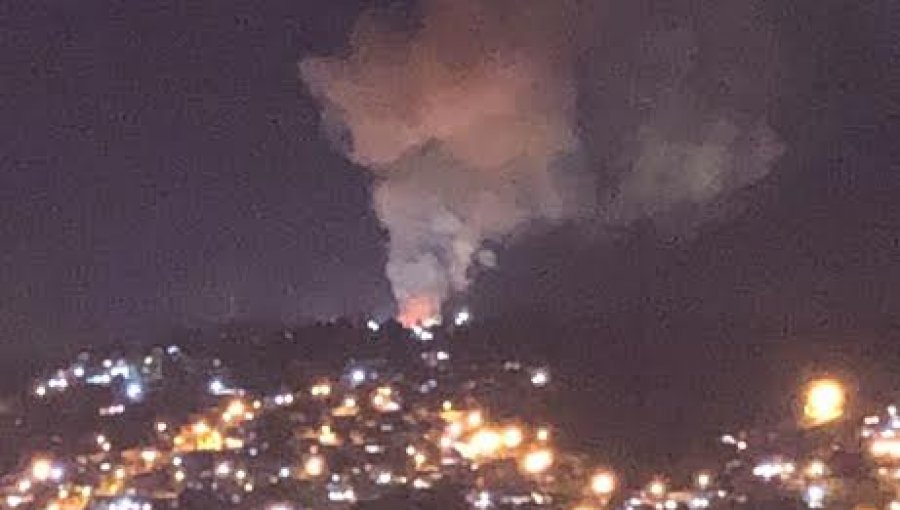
603 483
314 465
825 401
416 310
485 442
537 462
236 410
885 448
512 437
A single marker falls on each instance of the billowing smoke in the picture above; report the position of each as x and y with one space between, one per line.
469 123
463 121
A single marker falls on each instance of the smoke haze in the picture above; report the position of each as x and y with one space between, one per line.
472 119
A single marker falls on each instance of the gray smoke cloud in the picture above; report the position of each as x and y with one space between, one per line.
468 122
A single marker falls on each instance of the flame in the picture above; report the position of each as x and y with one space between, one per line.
417 310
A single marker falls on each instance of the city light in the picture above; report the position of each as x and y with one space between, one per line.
462 318
345 441
815 496
512 437
217 387
773 469
603 483
327 437
474 419
703 480
41 469
235 410
538 461
816 469
149 456
320 390
882 447
485 442
540 378
657 488
825 401
134 391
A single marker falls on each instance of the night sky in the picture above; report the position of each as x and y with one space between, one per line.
163 164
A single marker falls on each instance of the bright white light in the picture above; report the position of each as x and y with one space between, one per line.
426 335
703 480
462 318
603 483
120 370
40 391
134 391
58 383
885 448
342 495
216 387
78 372
172 350
14 500
112 410
314 465
483 500
125 504
41 470
358 376
442 355
99 379
815 496
769 470
223 469
373 326
699 503
540 378
284 399
537 461
284 472
670 505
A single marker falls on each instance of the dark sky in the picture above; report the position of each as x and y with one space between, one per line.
162 164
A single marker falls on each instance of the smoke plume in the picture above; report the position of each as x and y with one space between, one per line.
468 121
462 121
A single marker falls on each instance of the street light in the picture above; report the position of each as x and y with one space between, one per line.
603 483
825 401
